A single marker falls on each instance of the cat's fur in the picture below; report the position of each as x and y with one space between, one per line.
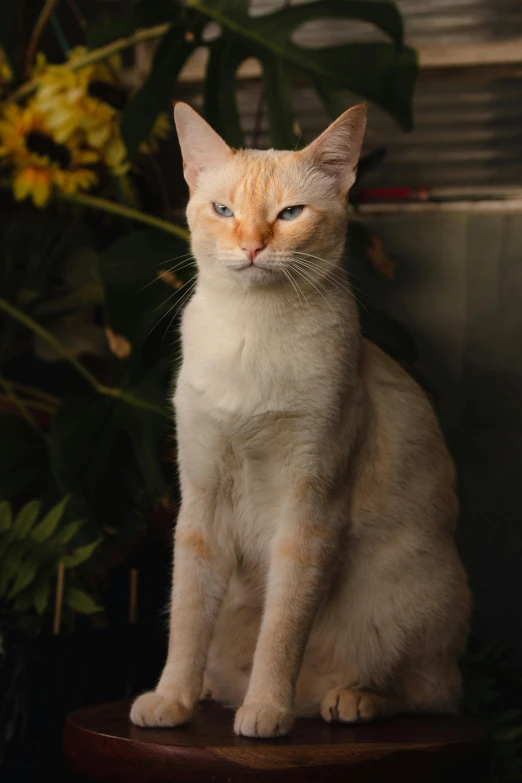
315 568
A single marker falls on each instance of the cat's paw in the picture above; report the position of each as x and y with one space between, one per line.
349 705
151 709
262 720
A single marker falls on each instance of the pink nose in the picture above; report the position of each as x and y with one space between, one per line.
252 249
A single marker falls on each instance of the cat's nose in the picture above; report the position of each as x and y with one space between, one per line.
252 249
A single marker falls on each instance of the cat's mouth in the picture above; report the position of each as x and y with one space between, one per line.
253 265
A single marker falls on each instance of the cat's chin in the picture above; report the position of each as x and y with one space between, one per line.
255 274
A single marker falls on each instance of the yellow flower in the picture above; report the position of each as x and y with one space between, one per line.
37 160
34 182
84 102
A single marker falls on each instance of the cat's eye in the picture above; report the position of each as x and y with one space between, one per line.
222 210
290 213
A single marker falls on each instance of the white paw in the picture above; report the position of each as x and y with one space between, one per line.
262 720
349 705
151 709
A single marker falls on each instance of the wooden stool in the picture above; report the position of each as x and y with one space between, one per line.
100 743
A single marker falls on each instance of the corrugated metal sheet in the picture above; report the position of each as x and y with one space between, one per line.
425 22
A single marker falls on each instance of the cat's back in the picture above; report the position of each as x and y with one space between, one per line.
404 454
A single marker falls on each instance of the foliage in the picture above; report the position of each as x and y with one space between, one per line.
31 548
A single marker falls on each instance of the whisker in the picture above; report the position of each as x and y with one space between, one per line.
333 264
168 260
176 268
180 304
315 283
288 276
340 285
342 280
173 306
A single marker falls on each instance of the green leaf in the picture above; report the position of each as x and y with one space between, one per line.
10 566
40 598
49 523
25 575
140 298
153 97
67 533
6 516
277 78
225 56
380 72
80 555
25 520
81 601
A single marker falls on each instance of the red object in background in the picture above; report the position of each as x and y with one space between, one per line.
392 194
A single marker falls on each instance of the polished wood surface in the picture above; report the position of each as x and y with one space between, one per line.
100 743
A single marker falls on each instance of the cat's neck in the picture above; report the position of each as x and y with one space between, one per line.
297 308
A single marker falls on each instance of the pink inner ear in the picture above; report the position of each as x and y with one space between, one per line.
201 146
338 148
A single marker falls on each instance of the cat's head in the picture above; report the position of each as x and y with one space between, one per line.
257 217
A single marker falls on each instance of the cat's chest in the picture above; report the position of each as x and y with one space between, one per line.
244 368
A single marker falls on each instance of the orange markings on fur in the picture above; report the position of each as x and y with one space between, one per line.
195 541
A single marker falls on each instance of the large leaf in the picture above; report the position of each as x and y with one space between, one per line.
133 273
40 597
380 72
25 520
154 96
277 78
67 533
81 601
23 458
80 554
24 576
140 273
49 523
225 56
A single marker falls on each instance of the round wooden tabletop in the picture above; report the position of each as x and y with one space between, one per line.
101 744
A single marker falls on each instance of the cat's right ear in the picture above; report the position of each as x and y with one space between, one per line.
202 148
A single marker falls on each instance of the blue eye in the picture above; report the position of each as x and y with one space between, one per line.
222 210
290 213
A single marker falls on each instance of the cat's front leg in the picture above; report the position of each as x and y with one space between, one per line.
201 575
301 553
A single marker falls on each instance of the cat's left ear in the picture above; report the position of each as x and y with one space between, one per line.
337 149
202 148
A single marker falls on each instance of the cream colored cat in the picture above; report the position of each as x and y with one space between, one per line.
315 570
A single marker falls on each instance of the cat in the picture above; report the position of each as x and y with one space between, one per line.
315 569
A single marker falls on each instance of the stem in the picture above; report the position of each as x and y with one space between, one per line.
31 404
44 16
34 392
111 391
24 319
105 205
95 56
9 393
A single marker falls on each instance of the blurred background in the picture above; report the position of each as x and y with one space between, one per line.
95 268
